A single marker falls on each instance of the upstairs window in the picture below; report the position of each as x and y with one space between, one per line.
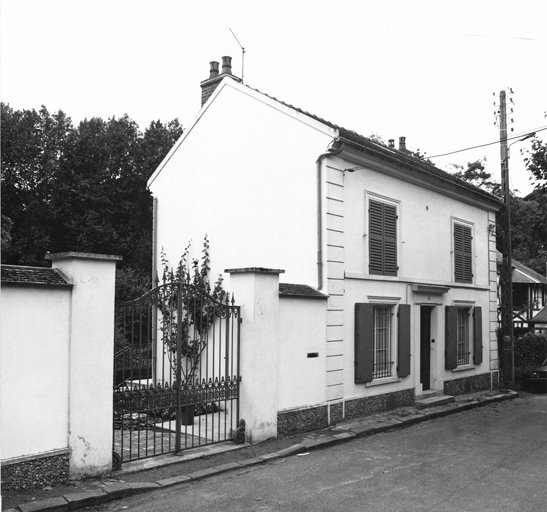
463 261
382 228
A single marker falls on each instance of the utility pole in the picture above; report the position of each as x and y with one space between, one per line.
506 278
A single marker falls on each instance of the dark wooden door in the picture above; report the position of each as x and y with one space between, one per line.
425 346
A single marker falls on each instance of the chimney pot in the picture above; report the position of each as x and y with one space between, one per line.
391 143
213 72
402 144
226 65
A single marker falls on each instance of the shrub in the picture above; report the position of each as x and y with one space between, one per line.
530 352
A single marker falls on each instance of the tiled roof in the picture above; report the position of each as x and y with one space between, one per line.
522 273
300 290
394 156
32 276
541 317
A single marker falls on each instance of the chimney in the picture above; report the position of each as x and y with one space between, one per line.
208 86
402 144
226 65
213 72
391 143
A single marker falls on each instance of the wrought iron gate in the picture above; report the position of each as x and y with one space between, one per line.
176 371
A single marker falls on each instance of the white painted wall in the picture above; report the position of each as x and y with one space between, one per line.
302 331
34 356
425 220
245 174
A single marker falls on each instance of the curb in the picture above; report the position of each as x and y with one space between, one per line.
346 432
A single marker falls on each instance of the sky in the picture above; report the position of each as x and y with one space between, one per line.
431 71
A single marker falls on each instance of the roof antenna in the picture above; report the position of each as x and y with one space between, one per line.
242 54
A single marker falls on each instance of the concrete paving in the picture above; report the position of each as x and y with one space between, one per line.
110 489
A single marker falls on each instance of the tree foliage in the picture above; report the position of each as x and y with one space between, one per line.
79 188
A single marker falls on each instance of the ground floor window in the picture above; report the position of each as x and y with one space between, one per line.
463 336
383 360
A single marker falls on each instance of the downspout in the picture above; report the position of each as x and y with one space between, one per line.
335 147
153 284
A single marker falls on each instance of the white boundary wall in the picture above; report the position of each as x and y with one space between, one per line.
56 353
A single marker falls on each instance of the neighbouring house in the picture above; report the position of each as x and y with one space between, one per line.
529 296
395 257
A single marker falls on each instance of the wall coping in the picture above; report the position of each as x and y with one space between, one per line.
254 270
82 255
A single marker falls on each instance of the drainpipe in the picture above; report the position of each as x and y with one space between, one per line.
335 147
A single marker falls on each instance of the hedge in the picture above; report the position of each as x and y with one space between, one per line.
530 352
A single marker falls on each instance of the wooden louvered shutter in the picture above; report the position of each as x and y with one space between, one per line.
382 238
463 265
451 338
403 342
364 342
376 237
477 335
390 240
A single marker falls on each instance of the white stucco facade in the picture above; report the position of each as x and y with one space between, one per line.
243 173
425 255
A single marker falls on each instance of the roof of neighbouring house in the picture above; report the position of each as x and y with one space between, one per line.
300 290
522 273
540 317
391 155
33 276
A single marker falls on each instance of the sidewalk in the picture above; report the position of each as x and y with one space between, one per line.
167 471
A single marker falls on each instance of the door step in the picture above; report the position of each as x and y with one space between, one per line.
428 394
434 401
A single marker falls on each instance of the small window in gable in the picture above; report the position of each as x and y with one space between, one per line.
382 229
463 258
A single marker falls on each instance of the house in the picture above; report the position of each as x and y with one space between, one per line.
529 296
402 253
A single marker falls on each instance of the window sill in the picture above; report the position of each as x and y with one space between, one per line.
382 381
464 368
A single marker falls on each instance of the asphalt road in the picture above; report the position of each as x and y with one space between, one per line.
493 458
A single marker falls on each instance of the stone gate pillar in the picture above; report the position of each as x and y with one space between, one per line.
256 290
91 359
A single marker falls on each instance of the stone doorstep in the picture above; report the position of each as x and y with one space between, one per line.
434 401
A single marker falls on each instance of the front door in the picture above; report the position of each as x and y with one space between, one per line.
425 347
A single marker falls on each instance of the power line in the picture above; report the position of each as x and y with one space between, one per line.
488 143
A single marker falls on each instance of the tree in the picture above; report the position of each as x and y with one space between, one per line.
67 188
476 174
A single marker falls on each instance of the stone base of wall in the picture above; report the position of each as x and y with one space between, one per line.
466 385
290 423
379 403
35 473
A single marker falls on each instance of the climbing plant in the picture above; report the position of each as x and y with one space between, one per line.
186 291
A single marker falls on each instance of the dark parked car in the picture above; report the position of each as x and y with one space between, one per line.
538 380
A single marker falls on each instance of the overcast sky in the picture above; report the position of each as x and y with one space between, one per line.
428 70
